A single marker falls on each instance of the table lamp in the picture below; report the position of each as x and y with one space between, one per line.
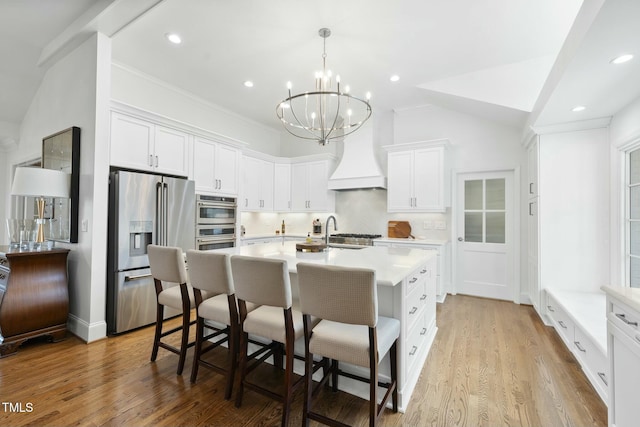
38 182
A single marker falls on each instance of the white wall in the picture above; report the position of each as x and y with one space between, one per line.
574 210
150 94
69 95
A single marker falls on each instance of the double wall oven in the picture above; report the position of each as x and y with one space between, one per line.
215 222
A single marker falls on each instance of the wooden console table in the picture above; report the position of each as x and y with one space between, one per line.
34 296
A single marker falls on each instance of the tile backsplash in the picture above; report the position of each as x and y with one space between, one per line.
357 211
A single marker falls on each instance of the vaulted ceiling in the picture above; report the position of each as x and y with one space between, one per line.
520 63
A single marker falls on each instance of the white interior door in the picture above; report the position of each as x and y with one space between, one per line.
485 241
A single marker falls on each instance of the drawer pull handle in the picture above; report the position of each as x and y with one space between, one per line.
562 324
423 331
413 350
414 280
551 309
2 277
423 271
623 317
413 310
603 377
423 297
577 343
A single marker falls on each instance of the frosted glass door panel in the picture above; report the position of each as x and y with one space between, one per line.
495 227
473 195
495 194
473 227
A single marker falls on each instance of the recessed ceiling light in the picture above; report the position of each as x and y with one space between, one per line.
248 83
394 78
578 108
622 59
173 38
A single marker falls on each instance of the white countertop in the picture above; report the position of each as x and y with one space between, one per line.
628 296
392 265
267 235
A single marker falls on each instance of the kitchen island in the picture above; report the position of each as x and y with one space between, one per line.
406 280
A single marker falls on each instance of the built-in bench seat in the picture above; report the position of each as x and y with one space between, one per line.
581 321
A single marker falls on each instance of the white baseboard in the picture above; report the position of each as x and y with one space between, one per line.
87 332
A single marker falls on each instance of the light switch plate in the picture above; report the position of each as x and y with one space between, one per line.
441 225
85 225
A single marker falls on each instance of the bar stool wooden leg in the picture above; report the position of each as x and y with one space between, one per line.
198 349
158 334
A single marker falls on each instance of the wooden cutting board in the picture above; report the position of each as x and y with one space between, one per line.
399 229
310 247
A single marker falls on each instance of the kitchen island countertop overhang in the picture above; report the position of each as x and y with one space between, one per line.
391 265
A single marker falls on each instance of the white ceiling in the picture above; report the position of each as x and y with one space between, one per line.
489 58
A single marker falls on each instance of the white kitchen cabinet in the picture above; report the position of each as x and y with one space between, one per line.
418 321
623 318
142 145
216 167
443 261
532 225
309 191
580 320
418 177
282 187
258 186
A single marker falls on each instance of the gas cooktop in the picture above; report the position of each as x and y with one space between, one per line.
354 238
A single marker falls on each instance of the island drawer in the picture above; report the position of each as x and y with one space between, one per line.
415 342
417 278
415 304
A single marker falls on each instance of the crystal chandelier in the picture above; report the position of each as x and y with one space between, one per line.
326 113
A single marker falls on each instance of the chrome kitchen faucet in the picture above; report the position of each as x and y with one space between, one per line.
326 228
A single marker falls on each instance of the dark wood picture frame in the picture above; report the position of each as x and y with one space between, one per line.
61 151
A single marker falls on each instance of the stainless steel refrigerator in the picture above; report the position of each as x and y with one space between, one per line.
143 209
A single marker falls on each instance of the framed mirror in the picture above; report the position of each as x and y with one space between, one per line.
61 151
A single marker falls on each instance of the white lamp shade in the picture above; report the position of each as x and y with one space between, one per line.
38 182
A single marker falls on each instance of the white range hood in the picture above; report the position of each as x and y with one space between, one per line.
358 166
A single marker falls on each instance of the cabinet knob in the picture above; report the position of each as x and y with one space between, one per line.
460 239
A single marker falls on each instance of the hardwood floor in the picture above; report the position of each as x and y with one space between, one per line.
493 363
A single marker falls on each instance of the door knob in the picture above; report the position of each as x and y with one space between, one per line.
460 239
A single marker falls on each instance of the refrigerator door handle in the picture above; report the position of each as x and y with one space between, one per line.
159 212
165 214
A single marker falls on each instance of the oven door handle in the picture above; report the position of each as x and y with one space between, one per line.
214 239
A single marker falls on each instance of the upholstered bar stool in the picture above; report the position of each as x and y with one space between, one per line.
350 330
265 282
210 273
167 265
